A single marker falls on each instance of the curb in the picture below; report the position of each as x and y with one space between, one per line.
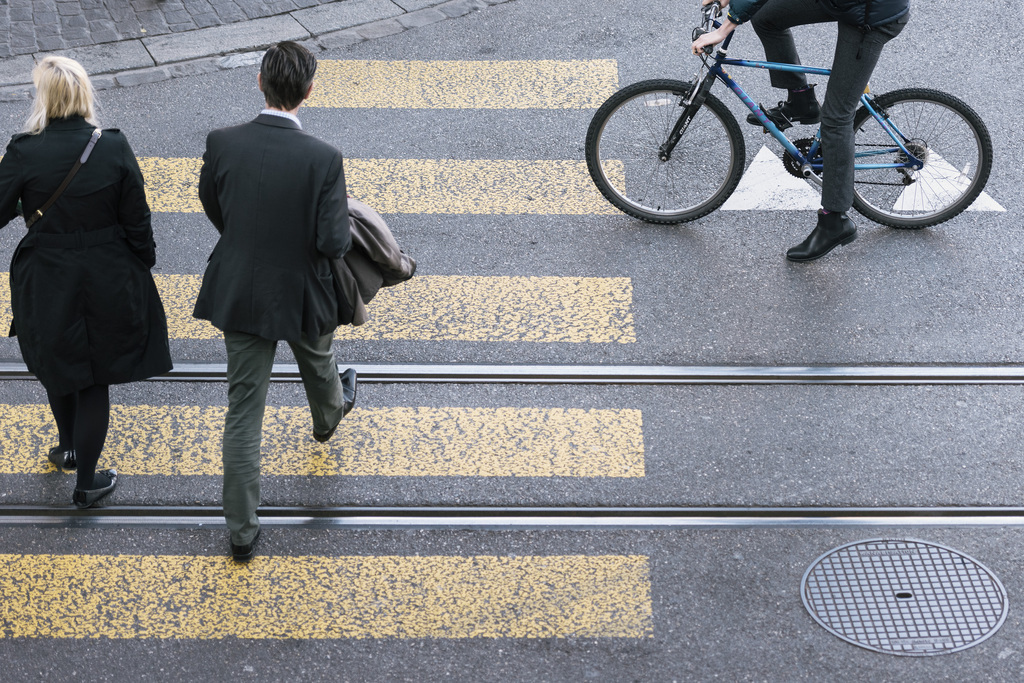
158 58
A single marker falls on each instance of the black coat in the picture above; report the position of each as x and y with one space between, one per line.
277 196
86 310
867 13
861 13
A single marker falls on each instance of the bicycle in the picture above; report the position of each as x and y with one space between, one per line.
922 156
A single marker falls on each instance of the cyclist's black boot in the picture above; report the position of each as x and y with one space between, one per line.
800 107
832 230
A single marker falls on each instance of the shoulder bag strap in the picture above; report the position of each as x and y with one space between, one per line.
30 221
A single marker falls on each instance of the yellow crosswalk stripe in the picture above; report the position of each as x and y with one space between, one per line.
388 442
448 308
430 186
171 596
514 84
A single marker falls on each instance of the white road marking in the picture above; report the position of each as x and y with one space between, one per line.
767 186
936 181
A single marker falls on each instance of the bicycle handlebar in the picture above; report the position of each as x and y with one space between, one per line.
709 13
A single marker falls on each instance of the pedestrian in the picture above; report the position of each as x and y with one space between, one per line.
864 27
86 310
277 197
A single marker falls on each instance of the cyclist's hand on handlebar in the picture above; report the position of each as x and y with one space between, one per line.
713 38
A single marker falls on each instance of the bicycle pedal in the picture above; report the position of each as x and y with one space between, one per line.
781 126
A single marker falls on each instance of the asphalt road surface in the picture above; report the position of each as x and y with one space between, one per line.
471 144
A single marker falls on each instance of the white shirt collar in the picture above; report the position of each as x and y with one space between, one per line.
283 115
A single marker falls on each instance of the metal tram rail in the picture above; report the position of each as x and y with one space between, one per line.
562 517
615 374
520 518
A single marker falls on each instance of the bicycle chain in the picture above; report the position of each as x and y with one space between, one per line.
918 148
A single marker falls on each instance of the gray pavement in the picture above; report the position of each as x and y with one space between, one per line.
725 601
814 446
144 41
726 607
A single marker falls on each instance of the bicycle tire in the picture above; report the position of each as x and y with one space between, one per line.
623 142
958 159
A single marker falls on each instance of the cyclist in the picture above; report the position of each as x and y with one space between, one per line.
865 26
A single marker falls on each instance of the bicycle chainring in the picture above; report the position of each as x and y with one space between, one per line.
790 162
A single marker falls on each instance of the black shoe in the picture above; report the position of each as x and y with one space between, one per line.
348 390
801 107
244 553
63 459
348 397
833 229
86 498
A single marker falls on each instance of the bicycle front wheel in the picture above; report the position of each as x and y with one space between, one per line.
623 144
936 127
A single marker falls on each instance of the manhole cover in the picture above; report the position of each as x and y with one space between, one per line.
904 597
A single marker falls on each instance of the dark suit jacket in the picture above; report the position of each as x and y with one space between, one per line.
85 306
277 196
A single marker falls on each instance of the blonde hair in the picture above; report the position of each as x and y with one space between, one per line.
63 89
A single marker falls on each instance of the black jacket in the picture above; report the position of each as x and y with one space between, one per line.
862 13
86 309
866 13
277 196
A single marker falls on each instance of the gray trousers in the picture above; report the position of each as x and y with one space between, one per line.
250 361
855 57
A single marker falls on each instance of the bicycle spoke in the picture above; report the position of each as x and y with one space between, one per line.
941 131
631 131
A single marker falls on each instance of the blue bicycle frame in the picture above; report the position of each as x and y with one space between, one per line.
812 162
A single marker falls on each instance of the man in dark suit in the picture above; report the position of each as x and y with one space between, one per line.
277 197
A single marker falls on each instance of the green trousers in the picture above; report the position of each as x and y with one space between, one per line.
250 362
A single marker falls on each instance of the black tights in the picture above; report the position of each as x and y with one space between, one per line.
82 418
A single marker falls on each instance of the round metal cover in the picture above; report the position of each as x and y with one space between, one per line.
904 597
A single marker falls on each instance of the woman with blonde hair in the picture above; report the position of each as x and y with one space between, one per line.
86 310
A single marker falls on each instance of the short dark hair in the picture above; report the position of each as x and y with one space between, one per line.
286 73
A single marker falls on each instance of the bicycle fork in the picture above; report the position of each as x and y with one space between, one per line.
691 105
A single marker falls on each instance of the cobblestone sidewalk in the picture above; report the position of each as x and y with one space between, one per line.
29 26
130 42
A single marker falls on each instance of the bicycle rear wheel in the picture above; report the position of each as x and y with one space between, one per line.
936 127
623 144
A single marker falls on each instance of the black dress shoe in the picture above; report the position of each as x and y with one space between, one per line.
800 107
348 390
833 229
348 397
63 459
86 498
244 553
